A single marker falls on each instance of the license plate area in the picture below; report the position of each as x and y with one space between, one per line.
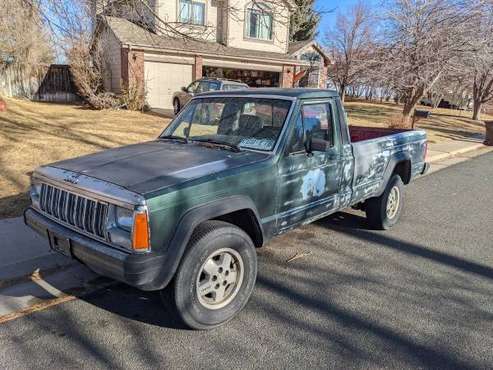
60 244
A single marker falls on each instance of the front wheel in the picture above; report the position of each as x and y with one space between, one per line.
216 276
384 211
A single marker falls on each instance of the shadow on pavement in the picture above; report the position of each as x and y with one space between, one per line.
363 300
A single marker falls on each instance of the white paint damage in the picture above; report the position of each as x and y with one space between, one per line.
313 184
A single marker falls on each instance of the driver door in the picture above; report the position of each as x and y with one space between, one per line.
309 180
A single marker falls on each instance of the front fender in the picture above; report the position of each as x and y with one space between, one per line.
185 228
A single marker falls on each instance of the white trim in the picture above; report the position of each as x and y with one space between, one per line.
290 62
241 65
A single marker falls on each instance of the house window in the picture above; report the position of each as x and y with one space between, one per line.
259 22
192 12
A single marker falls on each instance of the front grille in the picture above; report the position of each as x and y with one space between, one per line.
82 213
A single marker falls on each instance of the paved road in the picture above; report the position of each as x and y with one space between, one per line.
420 295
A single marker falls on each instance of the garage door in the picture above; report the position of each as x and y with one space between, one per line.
162 80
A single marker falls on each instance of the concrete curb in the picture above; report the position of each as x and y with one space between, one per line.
20 271
446 155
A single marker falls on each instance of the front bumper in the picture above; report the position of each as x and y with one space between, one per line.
143 271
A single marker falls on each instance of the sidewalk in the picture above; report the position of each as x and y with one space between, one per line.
22 251
444 150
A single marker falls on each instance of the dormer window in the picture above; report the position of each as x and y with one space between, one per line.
192 12
259 20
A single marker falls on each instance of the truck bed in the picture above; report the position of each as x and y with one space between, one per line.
375 148
362 133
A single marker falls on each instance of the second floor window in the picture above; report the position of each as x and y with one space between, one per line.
192 12
259 22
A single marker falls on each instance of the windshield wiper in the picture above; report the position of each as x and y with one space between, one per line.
233 147
173 137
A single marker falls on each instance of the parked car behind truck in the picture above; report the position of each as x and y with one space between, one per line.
187 210
181 98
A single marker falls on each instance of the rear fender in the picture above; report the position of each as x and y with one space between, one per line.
395 160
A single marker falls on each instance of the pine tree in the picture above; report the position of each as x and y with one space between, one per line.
304 21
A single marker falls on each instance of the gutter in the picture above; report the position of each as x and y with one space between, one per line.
292 62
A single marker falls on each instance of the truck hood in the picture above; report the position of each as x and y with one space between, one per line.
151 166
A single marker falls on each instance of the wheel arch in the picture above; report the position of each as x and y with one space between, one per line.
237 210
399 164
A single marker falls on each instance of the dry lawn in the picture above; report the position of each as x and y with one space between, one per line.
443 124
32 134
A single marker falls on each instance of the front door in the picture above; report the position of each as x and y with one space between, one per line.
309 181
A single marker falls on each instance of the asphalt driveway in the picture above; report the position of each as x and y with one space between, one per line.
330 295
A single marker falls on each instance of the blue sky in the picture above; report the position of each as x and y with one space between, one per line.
329 19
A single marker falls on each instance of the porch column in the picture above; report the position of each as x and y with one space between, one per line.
197 68
287 76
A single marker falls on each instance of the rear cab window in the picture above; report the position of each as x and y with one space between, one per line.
231 87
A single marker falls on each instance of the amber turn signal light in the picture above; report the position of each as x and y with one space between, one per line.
140 234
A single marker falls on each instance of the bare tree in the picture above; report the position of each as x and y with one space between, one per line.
350 44
424 42
479 63
24 44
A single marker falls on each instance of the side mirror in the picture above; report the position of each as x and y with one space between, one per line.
184 89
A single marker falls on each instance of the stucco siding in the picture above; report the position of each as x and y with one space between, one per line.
168 11
236 28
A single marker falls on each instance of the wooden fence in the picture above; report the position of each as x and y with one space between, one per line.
57 86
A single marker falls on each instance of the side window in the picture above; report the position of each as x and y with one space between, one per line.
296 144
214 86
318 121
230 87
203 87
192 88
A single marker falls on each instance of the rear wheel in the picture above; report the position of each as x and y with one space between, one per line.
176 106
384 211
216 276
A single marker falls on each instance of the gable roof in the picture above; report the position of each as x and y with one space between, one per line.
132 35
298 46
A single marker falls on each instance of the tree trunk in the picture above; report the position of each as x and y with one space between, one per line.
342 93
408 112
476 110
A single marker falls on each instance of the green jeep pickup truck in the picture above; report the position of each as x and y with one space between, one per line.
187 210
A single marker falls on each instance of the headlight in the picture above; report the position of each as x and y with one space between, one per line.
130 228
35 193
124 218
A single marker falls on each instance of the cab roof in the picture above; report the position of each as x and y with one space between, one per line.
290 93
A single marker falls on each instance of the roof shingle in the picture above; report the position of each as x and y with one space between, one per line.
129 33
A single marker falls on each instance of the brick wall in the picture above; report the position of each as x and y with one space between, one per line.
323 77
133 69
287 76
197 68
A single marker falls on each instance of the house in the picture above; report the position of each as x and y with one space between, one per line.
170 43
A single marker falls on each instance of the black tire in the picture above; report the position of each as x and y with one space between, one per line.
376 208
209 238
176 106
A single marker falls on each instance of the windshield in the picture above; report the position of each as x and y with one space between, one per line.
249 123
